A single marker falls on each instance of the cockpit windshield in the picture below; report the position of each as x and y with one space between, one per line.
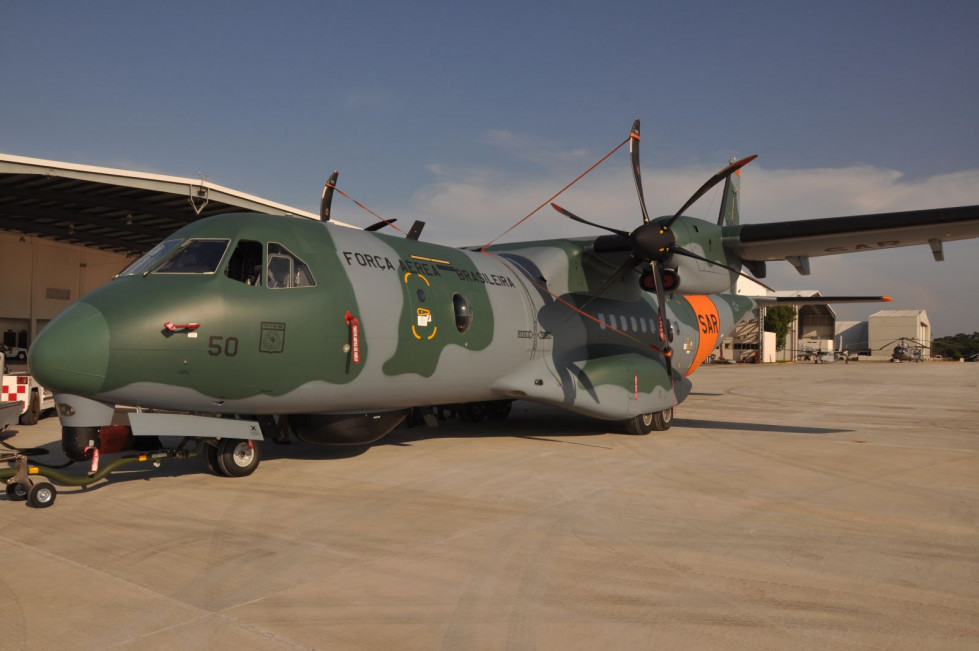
195 257
151 259
179 256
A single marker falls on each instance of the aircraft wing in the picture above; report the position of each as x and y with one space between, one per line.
834 235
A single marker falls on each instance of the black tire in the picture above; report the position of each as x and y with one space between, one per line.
472 412
211 459
640 425
41 495
22 356
16 493
237 457
498 409
33 413
663 420
643 424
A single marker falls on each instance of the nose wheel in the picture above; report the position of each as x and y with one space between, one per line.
233 457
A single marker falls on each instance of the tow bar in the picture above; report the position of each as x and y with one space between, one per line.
20 486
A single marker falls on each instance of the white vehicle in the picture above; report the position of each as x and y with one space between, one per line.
9 411
15 352
33 397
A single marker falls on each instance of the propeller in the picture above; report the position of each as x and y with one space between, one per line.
653 242
649 237
327 199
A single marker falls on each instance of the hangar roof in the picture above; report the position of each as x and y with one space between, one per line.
896 313
110 209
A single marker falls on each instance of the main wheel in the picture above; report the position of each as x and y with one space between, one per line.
662 420
33 413
211 459
237 458
655 422
16 493
498 409
41 495
472 412
641 424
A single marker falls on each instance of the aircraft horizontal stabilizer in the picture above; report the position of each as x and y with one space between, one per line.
817 300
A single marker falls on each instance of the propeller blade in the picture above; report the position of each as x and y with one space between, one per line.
571 215
711 182
626 267
661 307
327 199
636 175
690 254
376 226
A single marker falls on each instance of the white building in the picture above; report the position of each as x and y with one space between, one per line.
886 328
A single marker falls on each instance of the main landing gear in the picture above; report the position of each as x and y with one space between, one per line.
659 421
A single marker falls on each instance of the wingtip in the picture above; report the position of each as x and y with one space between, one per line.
886 299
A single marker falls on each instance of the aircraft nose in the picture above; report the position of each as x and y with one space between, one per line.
71 354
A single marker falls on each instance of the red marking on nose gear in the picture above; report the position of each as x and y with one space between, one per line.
354 324
173 327
95 458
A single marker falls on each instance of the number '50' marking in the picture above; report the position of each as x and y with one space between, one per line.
219 345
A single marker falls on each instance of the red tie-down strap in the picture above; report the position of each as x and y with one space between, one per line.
173 327
354 324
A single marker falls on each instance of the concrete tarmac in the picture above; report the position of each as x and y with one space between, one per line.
794 506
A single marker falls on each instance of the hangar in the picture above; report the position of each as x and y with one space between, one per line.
66 229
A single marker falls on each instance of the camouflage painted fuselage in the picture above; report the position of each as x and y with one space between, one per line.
384 323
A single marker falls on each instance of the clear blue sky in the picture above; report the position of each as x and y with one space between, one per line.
470 114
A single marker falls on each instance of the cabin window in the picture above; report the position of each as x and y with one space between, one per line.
286 270
612 322
462 311
601 321
245 263
195 257
150 260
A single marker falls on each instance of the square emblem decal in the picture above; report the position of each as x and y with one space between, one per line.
273 339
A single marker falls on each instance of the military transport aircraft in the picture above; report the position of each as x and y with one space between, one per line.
236 318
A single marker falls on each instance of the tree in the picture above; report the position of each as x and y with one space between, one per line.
778 318
956 347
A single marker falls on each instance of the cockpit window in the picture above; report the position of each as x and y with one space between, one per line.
151 259
245 263
195 257
285 270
